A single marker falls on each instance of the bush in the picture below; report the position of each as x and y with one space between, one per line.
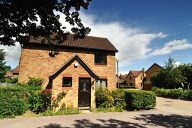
11 106
35 81
187 95
139 99
104 98
119 99
169 93
41 101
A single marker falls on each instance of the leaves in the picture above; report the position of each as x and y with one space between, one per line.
18 17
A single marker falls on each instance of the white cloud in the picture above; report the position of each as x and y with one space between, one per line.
12 54
132 43
172 46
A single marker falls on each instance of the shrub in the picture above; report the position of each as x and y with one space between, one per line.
11 80
11 106
187 95
104 98
119 99
139 99
169 93
35 81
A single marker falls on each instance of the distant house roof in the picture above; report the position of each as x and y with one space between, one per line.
136 73
15 70
155 64
88 42
121 78
9 74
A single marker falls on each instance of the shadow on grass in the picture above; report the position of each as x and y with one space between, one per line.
171 121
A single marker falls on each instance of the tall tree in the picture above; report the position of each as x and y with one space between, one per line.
17 19
3 67
169 76
186 71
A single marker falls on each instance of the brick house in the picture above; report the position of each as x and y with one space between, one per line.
13 73
76 66
155 68
135 79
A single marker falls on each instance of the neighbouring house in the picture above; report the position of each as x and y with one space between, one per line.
13 73
135 79
77 66
154 69
121 81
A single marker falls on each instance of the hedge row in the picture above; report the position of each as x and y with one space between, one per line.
16 100
125 99
140 99
173 93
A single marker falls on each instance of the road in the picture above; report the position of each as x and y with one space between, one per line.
168 113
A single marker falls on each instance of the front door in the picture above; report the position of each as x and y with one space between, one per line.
84 95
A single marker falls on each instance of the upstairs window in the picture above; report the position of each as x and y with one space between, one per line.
101 58
67 82
101 83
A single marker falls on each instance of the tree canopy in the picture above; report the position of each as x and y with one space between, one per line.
18 17
3 67
169 76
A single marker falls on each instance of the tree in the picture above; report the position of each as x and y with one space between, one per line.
3 67
186 71
169 76
17 19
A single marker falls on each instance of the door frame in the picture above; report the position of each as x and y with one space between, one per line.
89 78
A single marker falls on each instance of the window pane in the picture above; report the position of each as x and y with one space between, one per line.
100 58
101 83
67 81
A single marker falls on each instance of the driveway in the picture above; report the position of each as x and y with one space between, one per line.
168 113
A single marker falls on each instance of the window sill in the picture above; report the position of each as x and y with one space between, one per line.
104 65
67 88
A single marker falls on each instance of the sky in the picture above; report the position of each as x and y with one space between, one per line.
144 31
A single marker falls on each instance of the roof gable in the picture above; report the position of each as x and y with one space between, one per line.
155 64
135 73
80 61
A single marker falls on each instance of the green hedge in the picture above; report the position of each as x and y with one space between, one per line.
104 98
139 99
187 95
119 99
174 93
11 106
16 100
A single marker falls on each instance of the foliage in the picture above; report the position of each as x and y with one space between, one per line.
187 95
18 17
11 106
169 77
55 101
104 98
186 71
11 80
35 81
174 93
139 99
3 67
66 111
119 99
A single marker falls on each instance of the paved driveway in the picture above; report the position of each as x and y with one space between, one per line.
168 113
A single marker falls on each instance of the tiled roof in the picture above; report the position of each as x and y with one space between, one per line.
136 73
88 42
15 70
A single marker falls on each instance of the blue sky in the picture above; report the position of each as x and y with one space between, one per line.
144 31
171 17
